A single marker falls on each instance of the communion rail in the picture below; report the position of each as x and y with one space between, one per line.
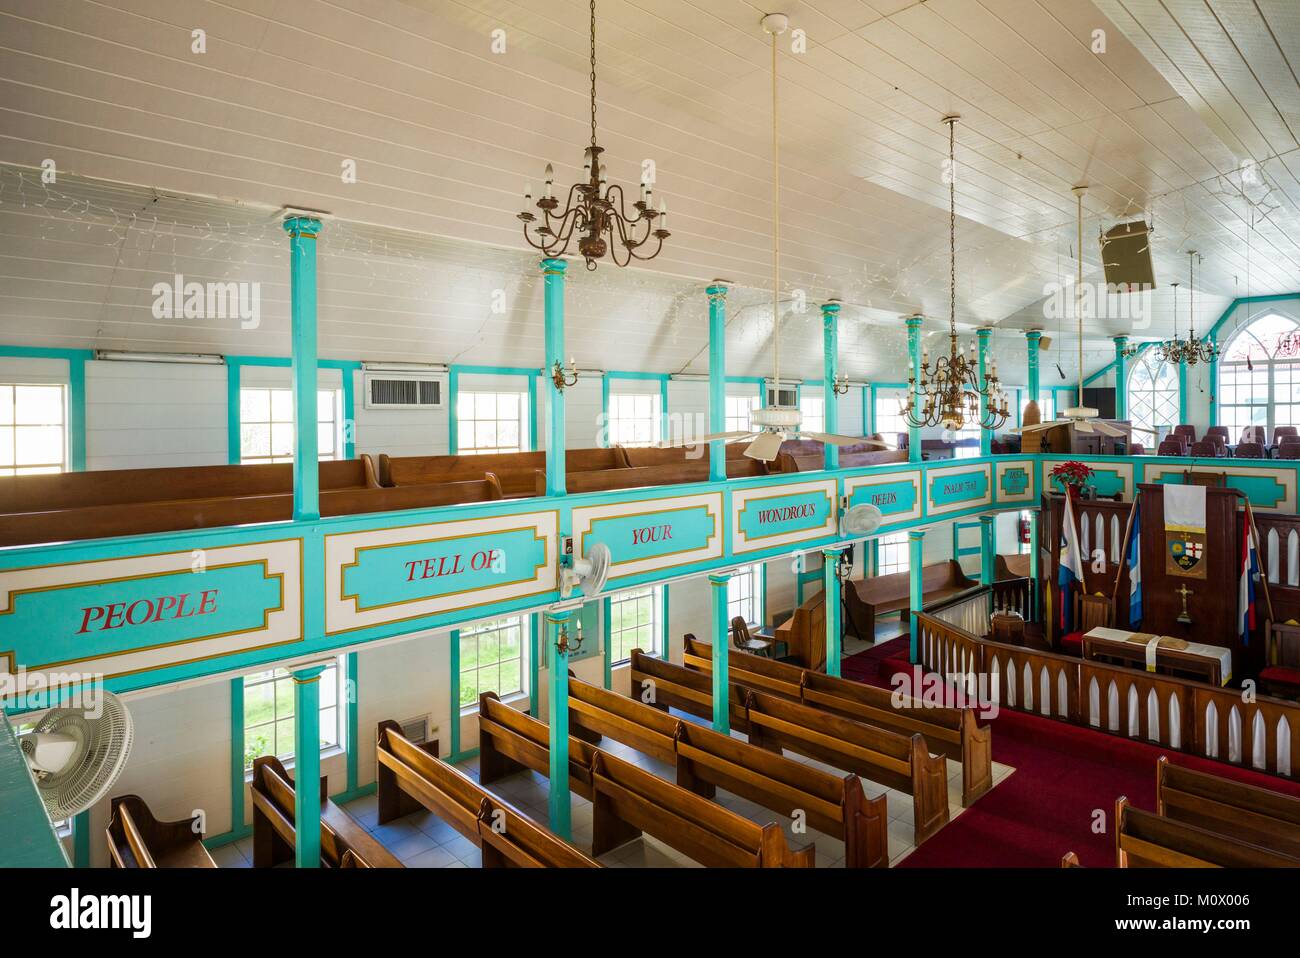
1220 723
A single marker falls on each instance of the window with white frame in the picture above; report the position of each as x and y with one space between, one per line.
813 411
1047 405
269 712
1152 394
740 409
636 622
492 659
891 554
635 419
744 595
969 434
33 429
888 413
1259 376
491 422
266 424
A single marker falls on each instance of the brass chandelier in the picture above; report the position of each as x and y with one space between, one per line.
952 389
1190 350
594 211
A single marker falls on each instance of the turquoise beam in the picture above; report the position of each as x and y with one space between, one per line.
1032 339
868 410
306 748
914 354
1033 563
453 659
302 232
81 840
354 721
916 592
557 708
1121 378
553 270
237 786
1182 392
983 336
831 589
830 372
534 669
1214 383
988 548
721 643
717 378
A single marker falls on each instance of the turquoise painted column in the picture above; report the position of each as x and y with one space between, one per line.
830 371
868 410
81 840
831 589
302 232
1213 339
717 377
1033 563
557 710
1182 392
1032 338
306 776
988 548
983 336
914 351
916 593
553 270
1121 378
721 646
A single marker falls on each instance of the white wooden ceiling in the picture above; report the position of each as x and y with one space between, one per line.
445 133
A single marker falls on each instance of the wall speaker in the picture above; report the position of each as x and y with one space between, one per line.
1126 256
1044 343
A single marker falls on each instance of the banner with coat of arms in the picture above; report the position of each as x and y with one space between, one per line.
1185 537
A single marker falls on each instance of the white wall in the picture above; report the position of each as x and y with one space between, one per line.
400 432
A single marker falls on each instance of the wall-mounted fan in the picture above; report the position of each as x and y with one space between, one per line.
75 758
590 572
860 520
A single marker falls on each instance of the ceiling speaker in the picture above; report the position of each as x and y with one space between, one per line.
1126 256
1044 343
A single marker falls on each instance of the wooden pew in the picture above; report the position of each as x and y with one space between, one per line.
1070 860
804 633
138 840
664 686
274 828
1243 812
604 480
1146 840
515 470
808 455
670 455
888 758
627 801
870 597
706 760
952 732
410 777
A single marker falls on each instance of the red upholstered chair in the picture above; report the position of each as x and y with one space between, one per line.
1170 447
1137 449
1218 431
1220 443
1280 431
1289 450
1203 447
1252 434
1090 612
1280 681
1184 429
1250 450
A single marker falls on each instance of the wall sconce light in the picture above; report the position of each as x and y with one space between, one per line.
841 385
561 380
567 645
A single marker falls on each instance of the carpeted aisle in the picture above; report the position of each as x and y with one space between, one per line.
1063 775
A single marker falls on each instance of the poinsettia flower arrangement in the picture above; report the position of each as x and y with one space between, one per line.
1072 474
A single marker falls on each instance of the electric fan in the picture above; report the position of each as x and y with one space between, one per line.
76 759
589 572
860 520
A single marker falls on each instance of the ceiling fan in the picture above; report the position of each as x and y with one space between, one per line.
1083 418
772 425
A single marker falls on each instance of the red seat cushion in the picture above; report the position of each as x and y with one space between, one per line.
1072 644
1281 674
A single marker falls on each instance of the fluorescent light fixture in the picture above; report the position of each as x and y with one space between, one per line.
689 377
195 359
404 367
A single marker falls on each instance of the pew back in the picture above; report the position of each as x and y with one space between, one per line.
136 839
1247 813
1145 840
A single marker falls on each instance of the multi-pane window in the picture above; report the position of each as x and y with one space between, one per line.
891 554
491 422
743 595
635 419
33 434
889 414
969 436
1046 405
269 715
739 411
636 622
1152 394
813 410
492 659
266 424
1259 376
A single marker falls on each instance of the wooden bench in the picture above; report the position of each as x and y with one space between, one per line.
896 761
645 476
1146 840
808 455
274 828
671 455
664 686
706 760
626 801
514 470
1244 812
952 732
870 597
138 840
410 777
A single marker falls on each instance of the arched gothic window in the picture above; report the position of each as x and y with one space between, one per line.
1152 394
1259 375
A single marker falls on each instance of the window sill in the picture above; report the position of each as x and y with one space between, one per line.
326 753
510 700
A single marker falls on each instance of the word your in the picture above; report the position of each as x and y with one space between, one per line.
931 690
453 565
804 510
36 690
73 911
140 611
182 300
652 534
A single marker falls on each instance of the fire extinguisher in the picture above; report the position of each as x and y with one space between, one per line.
1023 523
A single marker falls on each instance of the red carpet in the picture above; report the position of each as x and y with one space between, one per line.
1063 775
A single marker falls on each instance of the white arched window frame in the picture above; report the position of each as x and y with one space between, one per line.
1259 375
1152 394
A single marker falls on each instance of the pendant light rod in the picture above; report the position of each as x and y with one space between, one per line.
1079 191
776 24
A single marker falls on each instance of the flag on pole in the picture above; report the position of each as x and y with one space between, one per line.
1249 573
1134 559
1071 566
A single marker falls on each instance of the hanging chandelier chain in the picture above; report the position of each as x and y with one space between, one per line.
776 232
952 228
593 77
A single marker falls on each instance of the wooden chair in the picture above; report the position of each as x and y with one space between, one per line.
138 840
743 640
1090 612
1281 673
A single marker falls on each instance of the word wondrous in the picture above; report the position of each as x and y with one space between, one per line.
804 510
